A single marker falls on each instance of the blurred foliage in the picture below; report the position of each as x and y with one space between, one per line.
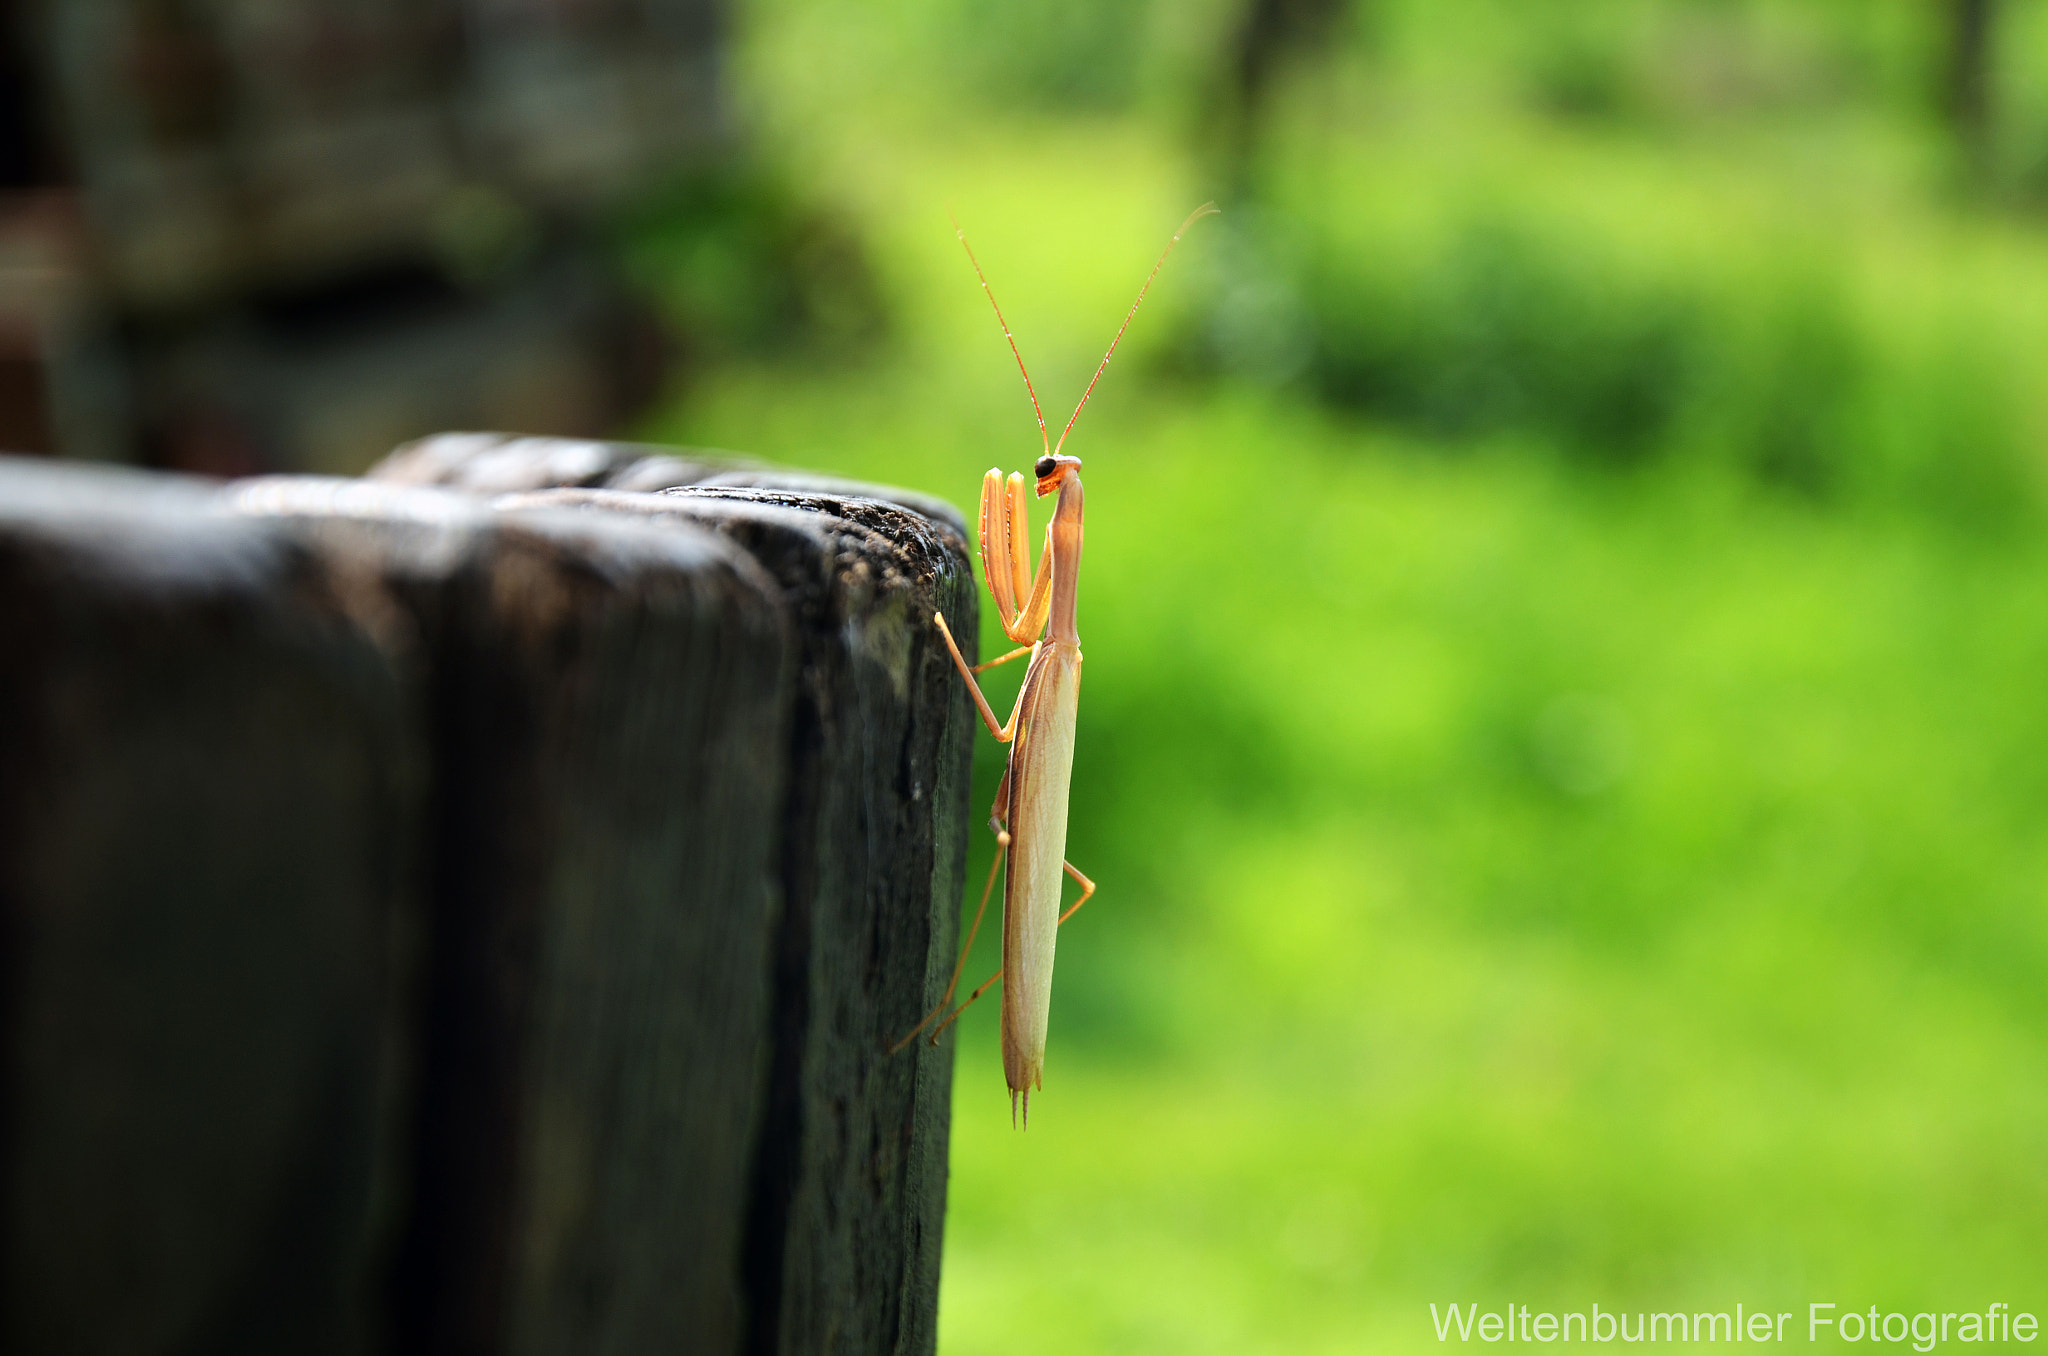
1621 310
1516 313
740 262
1064 53
1565 605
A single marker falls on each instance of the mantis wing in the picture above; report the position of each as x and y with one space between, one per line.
1041 766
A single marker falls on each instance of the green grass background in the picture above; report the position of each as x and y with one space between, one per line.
1566 611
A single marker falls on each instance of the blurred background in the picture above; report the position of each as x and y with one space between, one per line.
1566 597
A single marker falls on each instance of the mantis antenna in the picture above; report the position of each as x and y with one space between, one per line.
1206 209
1043 433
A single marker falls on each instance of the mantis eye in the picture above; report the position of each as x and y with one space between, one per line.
1044 467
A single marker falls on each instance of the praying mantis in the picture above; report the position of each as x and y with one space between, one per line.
1029 817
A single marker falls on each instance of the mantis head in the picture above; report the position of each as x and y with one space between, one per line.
1053 468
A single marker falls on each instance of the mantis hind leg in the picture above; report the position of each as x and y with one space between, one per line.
967 947
1087 892
998 819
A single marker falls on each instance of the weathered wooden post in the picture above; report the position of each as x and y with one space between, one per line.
208 787
859 1142
671 847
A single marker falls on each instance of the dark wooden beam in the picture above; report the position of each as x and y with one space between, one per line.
562 866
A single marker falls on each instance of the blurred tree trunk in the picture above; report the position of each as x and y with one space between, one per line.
26 153
1966 83
1265 36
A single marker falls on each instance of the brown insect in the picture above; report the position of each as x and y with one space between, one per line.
1030 813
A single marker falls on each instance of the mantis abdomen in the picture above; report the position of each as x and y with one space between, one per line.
1041 767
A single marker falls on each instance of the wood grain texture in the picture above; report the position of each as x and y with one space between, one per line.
438 923
205 791
605 702
849 1189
